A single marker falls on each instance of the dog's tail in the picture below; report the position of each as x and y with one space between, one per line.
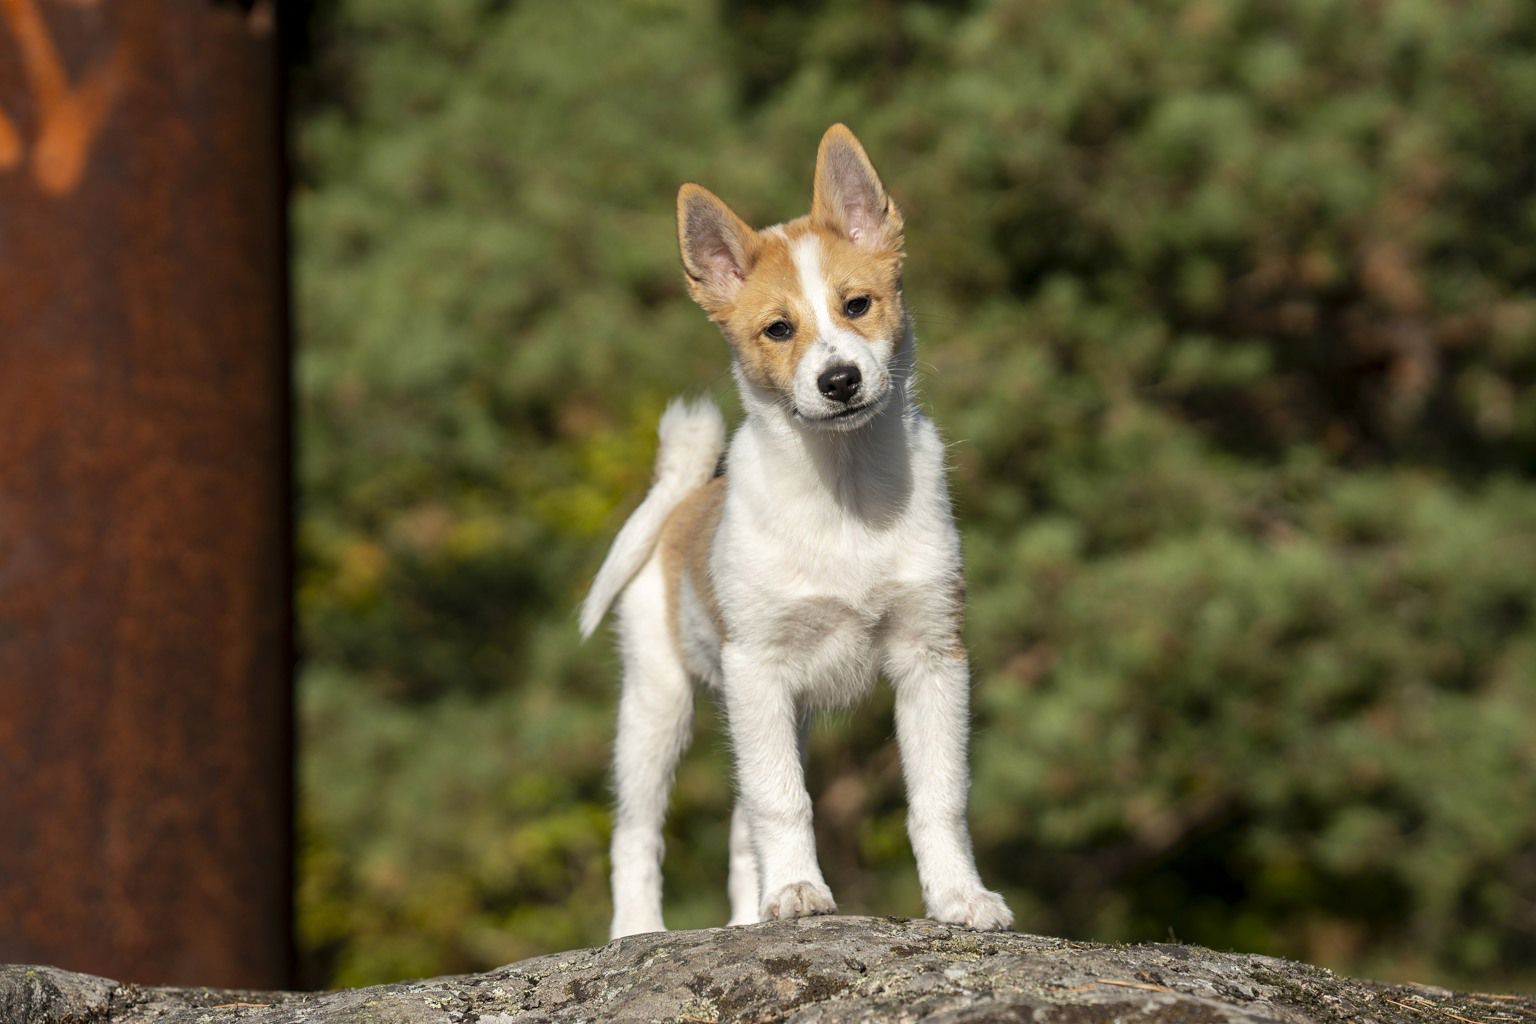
692 438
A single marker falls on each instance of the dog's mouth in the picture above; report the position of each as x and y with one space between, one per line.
845 419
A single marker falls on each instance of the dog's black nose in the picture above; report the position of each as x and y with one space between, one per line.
840 383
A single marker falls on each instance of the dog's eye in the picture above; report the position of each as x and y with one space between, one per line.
779 330
856 306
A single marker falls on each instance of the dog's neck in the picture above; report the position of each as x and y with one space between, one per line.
865 473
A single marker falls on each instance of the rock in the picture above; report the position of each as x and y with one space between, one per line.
819 969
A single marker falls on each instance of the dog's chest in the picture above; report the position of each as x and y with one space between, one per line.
817 573
823 602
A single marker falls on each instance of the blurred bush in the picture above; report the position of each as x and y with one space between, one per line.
1230 311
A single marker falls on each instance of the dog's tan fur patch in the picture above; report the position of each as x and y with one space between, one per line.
772 291
686 540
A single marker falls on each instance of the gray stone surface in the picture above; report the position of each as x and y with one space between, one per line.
811 970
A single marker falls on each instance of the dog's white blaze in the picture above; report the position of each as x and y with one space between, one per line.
835 345
806 254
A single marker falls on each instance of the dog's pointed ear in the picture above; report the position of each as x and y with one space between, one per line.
717 247
848 197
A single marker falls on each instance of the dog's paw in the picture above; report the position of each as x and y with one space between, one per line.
798 899
981 909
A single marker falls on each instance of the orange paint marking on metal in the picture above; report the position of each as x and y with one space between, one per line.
69 117
10 143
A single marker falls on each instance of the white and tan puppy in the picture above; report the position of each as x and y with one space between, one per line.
823 557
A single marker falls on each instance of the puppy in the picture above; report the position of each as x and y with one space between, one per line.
824 556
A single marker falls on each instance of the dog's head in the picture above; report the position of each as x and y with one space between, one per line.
813 309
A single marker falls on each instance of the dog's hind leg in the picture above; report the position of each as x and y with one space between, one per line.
655 720
743 884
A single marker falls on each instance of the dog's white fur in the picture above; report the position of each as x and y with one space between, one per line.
835 561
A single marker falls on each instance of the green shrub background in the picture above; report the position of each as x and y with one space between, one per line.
1229 310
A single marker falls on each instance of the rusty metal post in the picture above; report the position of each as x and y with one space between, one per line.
145 641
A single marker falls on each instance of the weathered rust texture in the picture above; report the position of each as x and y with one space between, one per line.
145 654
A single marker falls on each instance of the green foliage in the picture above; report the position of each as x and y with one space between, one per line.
1230 309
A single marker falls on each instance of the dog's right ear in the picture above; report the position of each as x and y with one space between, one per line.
717 247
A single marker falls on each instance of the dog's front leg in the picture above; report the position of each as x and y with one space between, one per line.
932 722
770 777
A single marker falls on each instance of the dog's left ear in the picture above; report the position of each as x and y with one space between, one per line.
848 197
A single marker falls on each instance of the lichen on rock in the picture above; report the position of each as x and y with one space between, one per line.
820 969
